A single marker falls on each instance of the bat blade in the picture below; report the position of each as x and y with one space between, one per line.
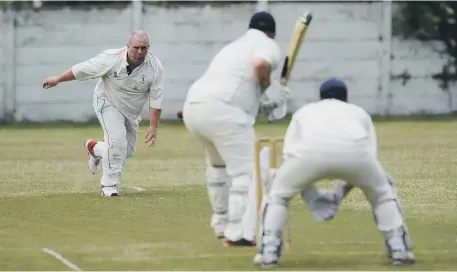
298 35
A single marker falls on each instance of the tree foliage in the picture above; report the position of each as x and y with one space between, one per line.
431 21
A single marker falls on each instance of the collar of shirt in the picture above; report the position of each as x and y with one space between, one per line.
124 58
256 33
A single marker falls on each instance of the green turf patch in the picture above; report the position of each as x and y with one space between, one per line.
50 200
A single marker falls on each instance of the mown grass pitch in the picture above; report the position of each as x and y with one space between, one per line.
48 199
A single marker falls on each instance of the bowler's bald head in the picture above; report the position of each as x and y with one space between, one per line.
138 36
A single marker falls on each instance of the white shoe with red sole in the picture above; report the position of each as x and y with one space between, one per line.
93 163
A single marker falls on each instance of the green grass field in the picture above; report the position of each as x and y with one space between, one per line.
48 199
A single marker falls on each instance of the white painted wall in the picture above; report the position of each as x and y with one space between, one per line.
421 94
343 41
48 43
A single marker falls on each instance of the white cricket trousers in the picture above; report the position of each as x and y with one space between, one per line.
225 132
354 164
227 135
120 135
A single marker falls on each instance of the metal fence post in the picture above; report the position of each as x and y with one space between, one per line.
137 14
9 96
262 5
386 63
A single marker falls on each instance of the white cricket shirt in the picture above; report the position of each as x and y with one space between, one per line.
329 123
230 76
127 92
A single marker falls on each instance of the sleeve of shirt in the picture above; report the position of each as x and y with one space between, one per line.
269 52
292 137
371 133
373 139
95 67
156 89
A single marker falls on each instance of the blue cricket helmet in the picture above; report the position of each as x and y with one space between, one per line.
263 21
334 89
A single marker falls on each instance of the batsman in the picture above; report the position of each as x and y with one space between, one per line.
220 110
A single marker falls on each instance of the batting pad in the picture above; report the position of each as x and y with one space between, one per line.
388 216
218 182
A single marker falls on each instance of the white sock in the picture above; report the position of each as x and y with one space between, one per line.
99 149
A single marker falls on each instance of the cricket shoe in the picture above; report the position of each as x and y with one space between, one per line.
403 258
239 243
93 163
266 261
406 240
110 191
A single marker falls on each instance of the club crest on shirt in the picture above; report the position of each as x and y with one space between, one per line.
143 79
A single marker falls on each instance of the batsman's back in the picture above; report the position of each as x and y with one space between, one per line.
230 76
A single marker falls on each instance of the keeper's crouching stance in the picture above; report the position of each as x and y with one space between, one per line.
331 139
322 203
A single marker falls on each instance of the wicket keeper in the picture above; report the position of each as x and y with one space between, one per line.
332 139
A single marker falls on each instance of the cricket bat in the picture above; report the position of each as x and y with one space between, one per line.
298 35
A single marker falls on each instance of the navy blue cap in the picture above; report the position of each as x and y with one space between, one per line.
263 21
333 88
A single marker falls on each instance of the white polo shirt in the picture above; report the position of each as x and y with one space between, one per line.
329 123
127 92
230 76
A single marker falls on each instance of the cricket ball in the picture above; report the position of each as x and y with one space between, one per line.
179 114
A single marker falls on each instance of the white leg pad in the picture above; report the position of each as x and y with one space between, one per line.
238 202
218 183
388 216
274 217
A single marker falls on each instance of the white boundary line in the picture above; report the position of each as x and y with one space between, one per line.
136 188
61 258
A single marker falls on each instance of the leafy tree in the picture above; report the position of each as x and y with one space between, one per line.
431 21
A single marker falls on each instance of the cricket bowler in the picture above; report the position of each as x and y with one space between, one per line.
332 139
220 110
128 77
